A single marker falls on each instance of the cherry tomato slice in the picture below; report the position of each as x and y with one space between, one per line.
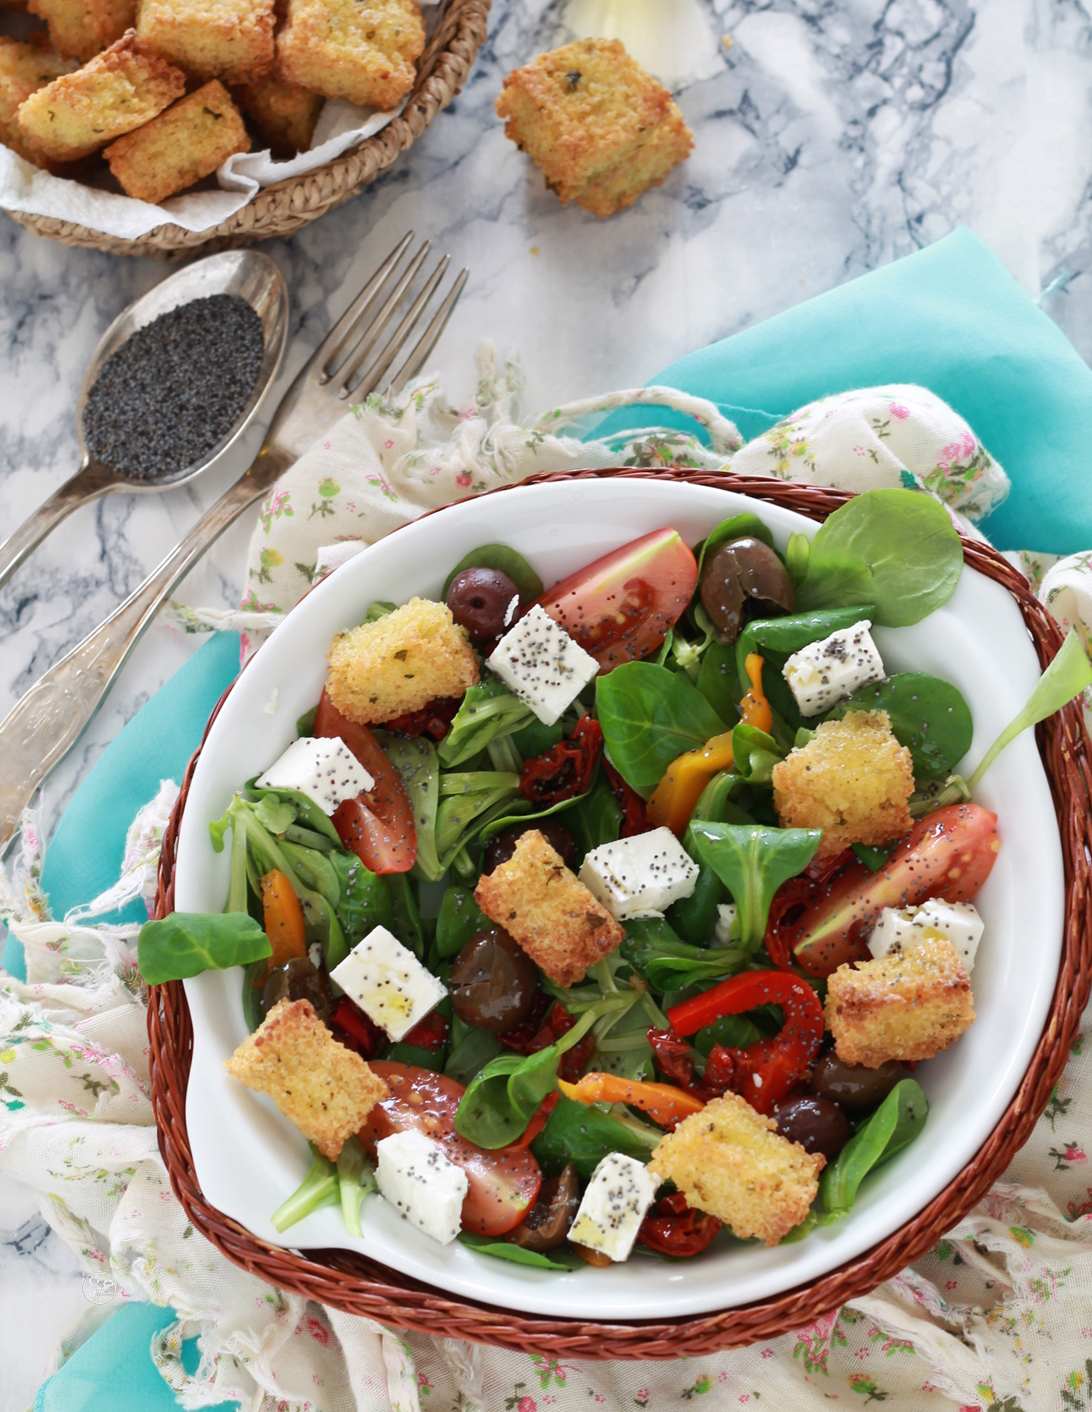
620 607
378 824
503 1184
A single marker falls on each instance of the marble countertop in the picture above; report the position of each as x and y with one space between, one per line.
829 139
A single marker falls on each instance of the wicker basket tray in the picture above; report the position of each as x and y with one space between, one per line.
280 209
347 1281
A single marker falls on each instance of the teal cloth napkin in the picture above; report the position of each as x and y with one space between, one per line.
948 317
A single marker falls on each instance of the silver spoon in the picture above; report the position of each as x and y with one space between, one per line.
250 275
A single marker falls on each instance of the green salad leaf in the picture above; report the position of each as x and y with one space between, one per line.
187 943
488 710
560 1259
581 1133
650 716
319 1188
753 861
896 1123
929 716
666 962
365 900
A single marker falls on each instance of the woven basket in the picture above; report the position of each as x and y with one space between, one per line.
350 1282
280 209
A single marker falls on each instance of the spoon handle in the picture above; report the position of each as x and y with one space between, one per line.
44 725
90 481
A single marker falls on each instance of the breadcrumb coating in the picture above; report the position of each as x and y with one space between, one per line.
907 1005
182 145
731 1162
853 781
548 910
23 69
318 1084
80 29
400 663
362 50
227 39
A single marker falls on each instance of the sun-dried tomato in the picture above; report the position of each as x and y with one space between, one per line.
635 818
674 1228
573 1061
433 719
520 1038
566 769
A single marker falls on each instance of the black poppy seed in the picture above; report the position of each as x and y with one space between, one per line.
175 388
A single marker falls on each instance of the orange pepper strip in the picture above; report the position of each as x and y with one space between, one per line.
754 706
282 917
674 798
664 1103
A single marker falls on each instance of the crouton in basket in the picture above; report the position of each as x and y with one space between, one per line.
80 29
284 114
187 142
115 92
23 69
548 910
318 1084
400 663
853 781
361 50
731 1162
907 1005
227 39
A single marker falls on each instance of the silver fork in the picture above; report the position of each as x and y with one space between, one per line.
349 363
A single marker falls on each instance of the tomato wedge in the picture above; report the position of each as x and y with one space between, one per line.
948 854
503 1184
620 607
378 824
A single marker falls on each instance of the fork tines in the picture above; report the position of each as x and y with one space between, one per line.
351 354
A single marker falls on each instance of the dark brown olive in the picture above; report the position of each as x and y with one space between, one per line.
852 1086
501 847
484 601
547 1223
817 1124
298 979
492 981
744 579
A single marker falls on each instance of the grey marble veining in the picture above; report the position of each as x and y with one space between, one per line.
830 138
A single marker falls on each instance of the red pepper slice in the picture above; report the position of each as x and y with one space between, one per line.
769 1068
428 1033
674 1228
566 769
369 1038
635 818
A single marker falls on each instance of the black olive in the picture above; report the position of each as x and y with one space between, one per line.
817 1124
502 845
547 1223
492 981
852 1086
744 579
484 601
298 979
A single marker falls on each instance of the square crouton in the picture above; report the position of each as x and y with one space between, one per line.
853 780
318 1084
601 129
548 910
24 68
187 142
400 663
283 113
362 50
227 39
80 29
118 90
731 1162
907 1005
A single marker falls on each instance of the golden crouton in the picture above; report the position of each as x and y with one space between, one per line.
853 781
600 128
400 663
548 910
187 142
731 1162
318 1084
283 113
360 50
907 1005
23 69
228 39
80 29
115 92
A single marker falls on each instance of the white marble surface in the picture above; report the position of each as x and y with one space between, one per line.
829 139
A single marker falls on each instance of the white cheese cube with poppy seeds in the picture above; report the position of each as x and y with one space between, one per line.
542 665
959 922
614 1204
895 931
640 876
421 1182
824 673
388 982
323 768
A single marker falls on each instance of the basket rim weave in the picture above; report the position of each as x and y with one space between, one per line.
283 207
357 1285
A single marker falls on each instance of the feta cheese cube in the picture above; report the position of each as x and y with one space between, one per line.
420 1181
323 768
958 921
540 662
726 915
639 876
895 931
824 673
614 1204
388 982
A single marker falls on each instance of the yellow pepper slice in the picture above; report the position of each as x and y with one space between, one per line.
754 706
664 1103
674 798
